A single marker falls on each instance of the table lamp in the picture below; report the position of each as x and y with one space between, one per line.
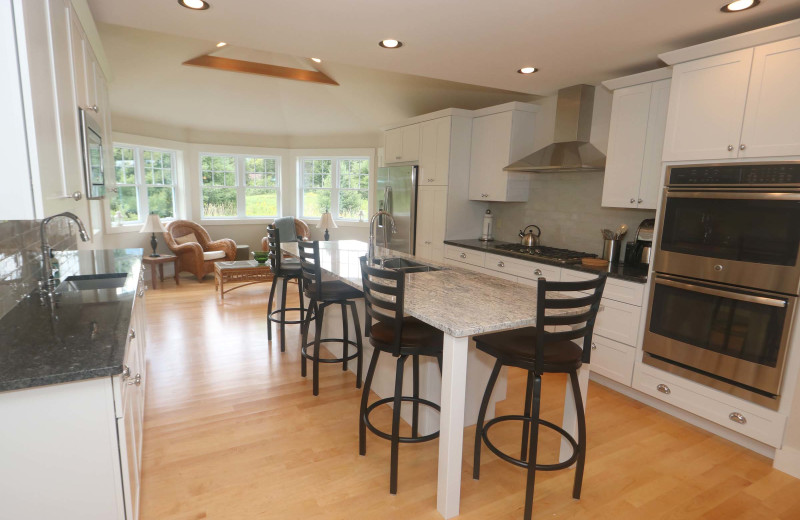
152 225
326 221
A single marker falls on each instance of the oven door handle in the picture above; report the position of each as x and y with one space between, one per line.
761 300
732 195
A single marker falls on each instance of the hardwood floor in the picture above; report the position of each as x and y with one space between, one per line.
233 432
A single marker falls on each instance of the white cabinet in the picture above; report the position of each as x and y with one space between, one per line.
772 114
636 137
434 152
464 255
499 139
402 144
431 217
737 105
612 359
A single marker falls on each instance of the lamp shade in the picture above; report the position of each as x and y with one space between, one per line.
153 225
326 222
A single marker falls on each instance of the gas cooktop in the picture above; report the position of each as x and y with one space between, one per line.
552 254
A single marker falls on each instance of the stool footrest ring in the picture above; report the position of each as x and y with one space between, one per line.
305 354
273 319
521 463
408 399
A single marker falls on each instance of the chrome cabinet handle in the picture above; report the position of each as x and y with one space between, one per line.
537 272
737 418
594 346
137 380
463 255
126 371
141 293
664 389
633 201
730 147
640 201
398 157
741 147
501 264
430 180
719 267
132 334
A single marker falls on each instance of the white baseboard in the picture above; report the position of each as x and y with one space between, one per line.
787 460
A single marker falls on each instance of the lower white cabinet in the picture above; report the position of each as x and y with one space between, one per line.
464 255
431 217
72 451
612 359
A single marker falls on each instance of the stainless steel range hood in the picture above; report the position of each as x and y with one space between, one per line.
571 150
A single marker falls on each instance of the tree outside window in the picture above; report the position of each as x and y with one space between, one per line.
145 183
238 186
335 184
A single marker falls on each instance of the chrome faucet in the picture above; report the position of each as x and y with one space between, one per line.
371 249
48 282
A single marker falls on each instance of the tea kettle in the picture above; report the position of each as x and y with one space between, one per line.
528 239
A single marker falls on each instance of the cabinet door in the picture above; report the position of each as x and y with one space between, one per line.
772 115
491 138
626 145
411 143
434 152
650 182
394 146
706 107
78 67
613 359
425 205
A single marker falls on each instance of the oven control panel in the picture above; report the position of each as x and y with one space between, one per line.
735 175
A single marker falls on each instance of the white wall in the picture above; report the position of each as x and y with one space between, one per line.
243 232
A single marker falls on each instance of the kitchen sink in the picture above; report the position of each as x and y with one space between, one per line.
406 266
88 282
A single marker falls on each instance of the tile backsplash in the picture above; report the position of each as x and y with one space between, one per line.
20 255
567 208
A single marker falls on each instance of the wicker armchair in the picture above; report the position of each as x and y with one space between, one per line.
190 254
300 228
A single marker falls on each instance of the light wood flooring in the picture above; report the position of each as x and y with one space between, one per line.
233 432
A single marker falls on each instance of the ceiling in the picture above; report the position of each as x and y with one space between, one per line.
153 94
477 42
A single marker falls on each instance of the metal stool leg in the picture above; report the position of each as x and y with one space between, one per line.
311 314
300 294
398 394
345 334
360 346
315 362
415 404
476 465
283 313
527 413
576 392
534 444
362 422
269 308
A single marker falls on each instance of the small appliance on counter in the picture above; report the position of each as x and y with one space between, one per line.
528 238
637 253
488 226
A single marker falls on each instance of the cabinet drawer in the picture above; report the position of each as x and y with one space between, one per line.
619 290
761 424
613 359
618 321
464 255
523 268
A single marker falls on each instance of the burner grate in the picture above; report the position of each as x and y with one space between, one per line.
566 256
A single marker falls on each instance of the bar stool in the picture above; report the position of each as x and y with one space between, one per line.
321 295
400 336
539 352
285 270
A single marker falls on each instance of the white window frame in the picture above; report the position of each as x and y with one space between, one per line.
241 186
334 189
142 199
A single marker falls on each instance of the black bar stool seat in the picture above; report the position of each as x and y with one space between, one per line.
285 270
322 294
402 337
539 351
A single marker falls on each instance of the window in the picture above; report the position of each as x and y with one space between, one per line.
336 184
145 181
238 186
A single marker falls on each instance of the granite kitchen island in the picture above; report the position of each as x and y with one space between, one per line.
460 303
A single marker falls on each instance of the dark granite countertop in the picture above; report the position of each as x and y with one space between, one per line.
620 271
78 334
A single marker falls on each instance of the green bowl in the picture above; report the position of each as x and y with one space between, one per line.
261 256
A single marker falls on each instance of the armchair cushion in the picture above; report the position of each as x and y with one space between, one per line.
191 237
213 255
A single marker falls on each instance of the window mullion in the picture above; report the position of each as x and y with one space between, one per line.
138 165
240 187
334 209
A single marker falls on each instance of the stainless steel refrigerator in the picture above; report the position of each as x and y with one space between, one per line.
397 194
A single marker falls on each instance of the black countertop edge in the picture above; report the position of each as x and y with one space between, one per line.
619 271
76 335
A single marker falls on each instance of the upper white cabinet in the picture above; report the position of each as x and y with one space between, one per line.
734 105
402 144
499 139
772 113
434 152
636 137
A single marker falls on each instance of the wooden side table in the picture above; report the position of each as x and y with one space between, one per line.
157 262
245 272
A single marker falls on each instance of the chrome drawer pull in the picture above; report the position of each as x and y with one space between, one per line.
141 293
126 371
664 389
737 418
501 264
537 272
594 345
463 255
132 334
136 380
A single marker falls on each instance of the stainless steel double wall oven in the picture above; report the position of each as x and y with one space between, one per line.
727 276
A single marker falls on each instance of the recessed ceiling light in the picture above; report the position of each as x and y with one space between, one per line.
221 44
197 5
739 5
316 60
390 44
528 70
